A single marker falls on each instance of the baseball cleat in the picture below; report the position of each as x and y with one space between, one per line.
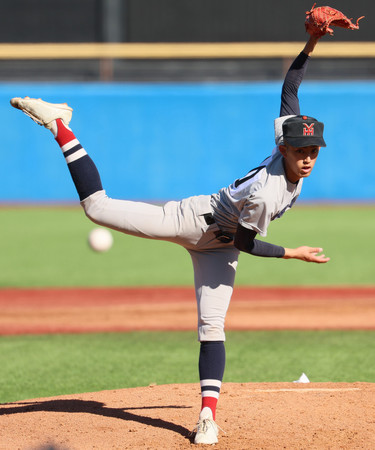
41 112
207 430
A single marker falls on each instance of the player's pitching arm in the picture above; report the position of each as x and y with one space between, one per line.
245 241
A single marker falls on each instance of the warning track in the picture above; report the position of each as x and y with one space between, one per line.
80 310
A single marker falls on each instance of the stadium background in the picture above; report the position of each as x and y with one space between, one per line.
168 127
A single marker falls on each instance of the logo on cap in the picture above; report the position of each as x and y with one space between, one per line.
308 130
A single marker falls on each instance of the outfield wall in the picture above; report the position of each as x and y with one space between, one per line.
168 141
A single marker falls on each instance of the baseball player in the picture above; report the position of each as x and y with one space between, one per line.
212 228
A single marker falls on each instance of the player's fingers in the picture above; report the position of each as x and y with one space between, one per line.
321 259
316 257
316 250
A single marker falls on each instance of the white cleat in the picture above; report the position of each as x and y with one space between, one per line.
207 430
41 112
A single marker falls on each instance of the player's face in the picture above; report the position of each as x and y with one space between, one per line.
299 161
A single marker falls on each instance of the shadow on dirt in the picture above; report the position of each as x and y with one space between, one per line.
92 407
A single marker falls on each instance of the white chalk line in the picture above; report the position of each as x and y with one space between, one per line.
309 390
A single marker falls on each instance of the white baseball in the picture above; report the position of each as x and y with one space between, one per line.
100 239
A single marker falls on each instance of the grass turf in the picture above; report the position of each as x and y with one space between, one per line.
49 365
48 247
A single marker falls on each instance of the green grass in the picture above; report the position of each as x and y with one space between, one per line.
50 365
48 247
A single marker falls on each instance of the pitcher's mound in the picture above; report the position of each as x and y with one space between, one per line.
253 416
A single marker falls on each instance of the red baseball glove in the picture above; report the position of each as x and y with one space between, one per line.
319 20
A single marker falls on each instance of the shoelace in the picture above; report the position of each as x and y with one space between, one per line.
204 424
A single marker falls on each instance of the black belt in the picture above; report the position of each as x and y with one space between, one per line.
222 236
209 218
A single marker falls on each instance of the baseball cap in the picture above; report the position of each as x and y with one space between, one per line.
302 131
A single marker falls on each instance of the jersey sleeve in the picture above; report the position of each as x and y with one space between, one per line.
256 214
245 241
292 82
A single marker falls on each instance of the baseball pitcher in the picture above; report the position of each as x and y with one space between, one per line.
212 228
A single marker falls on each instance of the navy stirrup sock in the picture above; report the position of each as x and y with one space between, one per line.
211 371
84 173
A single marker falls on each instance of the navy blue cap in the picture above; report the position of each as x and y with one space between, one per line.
303 131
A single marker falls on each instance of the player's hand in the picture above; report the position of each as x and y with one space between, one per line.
308 254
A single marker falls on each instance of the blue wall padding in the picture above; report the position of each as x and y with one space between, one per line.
168 141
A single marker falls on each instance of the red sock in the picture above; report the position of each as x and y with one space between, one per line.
64 134
211 403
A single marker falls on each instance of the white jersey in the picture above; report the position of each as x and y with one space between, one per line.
264 194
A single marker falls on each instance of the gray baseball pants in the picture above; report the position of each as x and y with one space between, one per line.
183 223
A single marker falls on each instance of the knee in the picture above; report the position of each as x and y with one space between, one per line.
211 332
211 318
93 205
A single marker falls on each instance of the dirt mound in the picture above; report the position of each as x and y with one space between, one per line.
253 416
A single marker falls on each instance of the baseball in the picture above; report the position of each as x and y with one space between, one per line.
100 239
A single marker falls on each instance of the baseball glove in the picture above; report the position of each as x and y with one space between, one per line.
319 20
